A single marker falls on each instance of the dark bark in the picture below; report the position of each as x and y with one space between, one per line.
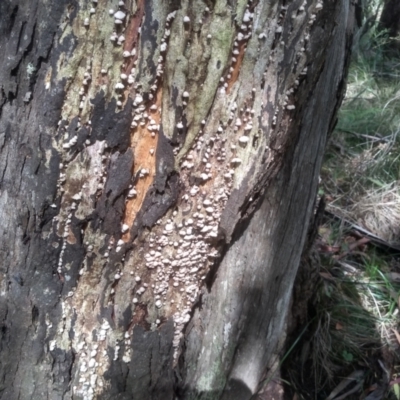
390 18
87 309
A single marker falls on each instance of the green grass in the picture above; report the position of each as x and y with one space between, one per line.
353 314
362 162
366 141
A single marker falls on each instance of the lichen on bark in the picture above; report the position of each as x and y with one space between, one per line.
167 131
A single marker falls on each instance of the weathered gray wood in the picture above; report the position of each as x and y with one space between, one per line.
231 338
153 257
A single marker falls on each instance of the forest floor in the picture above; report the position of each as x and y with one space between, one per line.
344 332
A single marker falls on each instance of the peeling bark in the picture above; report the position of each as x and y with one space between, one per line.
158 168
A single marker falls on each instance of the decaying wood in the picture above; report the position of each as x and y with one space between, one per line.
158 165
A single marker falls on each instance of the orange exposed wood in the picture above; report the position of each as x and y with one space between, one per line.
132 34
236 66
142 143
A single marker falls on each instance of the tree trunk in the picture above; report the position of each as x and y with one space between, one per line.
157 176
390 20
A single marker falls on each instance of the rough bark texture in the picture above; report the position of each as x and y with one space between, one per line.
158 169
